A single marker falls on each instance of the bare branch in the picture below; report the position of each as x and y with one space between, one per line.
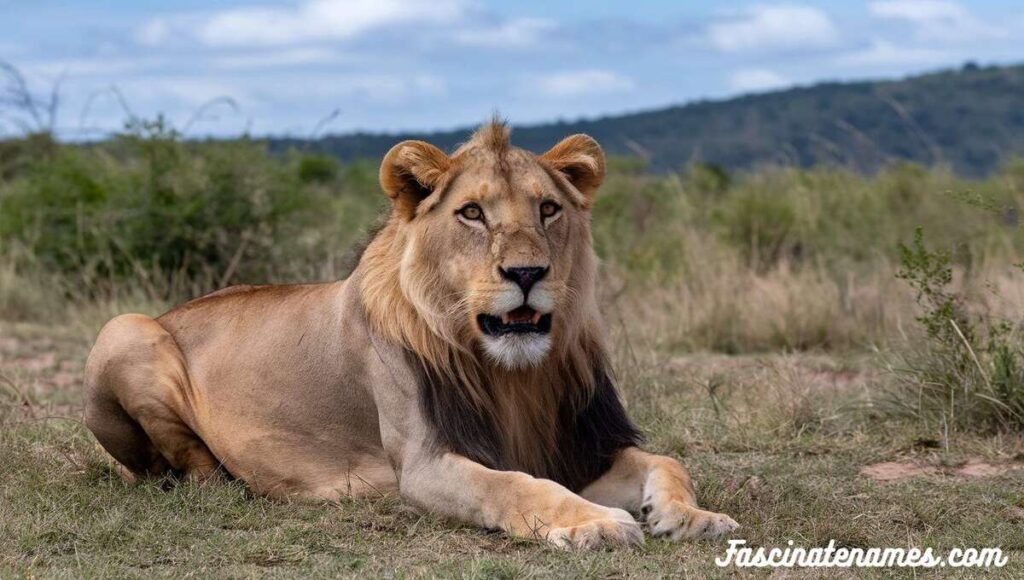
200 113
322 123
53 106
17 94
123 102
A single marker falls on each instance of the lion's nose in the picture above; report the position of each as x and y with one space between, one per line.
525 278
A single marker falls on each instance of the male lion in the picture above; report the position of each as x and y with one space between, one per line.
461 364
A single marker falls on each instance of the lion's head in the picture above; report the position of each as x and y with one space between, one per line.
484 272
490 246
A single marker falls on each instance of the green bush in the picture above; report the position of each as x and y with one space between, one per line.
174 215
969 371
317 168
707 179
762 225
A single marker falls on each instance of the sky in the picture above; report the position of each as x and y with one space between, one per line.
307 67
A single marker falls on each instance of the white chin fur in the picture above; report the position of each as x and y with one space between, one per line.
518 351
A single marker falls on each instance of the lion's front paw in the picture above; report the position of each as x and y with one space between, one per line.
617 528
679 521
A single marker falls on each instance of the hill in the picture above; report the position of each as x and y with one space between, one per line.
970 119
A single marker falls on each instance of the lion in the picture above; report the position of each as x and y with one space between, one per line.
461 365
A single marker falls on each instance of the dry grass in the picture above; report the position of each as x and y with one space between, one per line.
777 441
725 306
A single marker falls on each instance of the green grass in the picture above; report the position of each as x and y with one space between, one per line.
777 441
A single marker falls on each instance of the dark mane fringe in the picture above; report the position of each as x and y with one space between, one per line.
590 431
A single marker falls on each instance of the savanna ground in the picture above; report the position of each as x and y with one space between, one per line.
824 375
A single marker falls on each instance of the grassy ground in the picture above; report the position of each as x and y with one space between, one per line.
702 271
777 441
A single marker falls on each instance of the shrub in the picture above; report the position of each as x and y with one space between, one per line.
969 371
172 214
317 168
708 178
763 225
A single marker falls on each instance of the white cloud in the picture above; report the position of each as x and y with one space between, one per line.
773 27
108 66
936 20
756 79
882 53
377 88
154 33
916 10
582 82
186 90
277 58
310 21
519 33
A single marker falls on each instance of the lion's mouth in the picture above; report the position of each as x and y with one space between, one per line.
522 320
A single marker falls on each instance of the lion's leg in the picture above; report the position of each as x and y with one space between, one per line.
136 385
124 438
518 503
658 488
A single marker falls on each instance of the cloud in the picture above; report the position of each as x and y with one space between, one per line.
107 66
277 58
756 80
936 20
310 21
882 53
198 91
773 27
519 33
154 33
368 87
916 10
582 82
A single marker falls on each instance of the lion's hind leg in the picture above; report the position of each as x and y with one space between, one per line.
136 405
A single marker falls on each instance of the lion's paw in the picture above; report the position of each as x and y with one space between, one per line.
679 521
618 528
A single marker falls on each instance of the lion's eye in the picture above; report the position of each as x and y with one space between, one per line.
549 209
472 212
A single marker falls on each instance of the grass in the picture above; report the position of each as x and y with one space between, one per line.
775 440
760 333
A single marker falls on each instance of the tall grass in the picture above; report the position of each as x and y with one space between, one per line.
699 259
968 370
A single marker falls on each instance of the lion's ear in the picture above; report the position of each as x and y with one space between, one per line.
580 159
410 172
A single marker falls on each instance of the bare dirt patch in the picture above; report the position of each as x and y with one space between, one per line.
896 470
978 468
40 367
887 471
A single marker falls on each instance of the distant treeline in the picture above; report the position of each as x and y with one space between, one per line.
970 120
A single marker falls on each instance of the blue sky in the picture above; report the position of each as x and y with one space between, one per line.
388 65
